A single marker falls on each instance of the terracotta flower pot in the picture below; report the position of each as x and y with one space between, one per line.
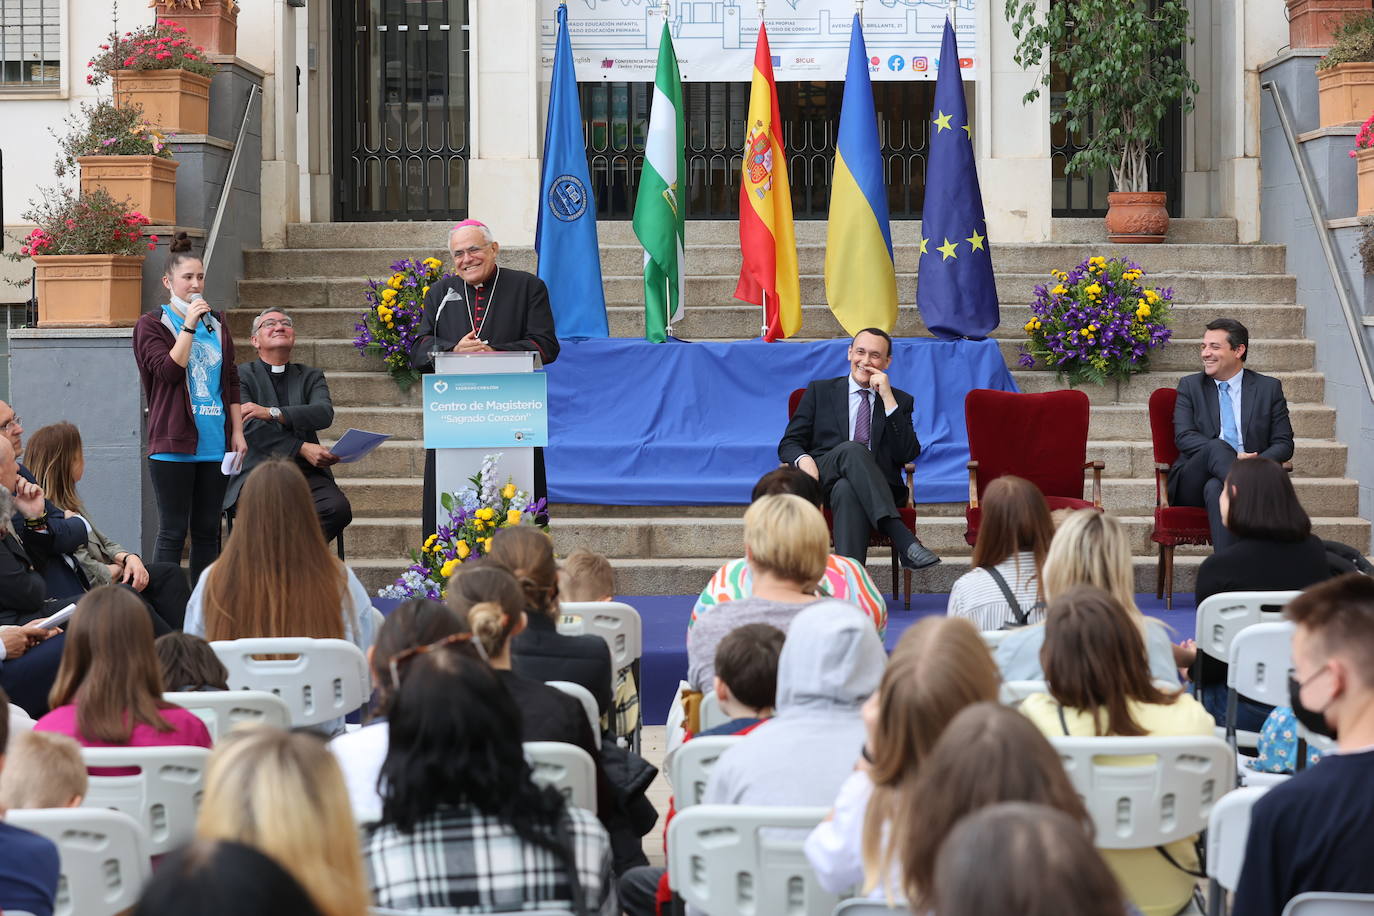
1136 216
1313 23
214 26
1364 181
1345 94
89 290
149 183
175 100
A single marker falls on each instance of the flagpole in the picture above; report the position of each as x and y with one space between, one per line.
954 13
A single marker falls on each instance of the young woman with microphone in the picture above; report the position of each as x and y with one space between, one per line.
185 357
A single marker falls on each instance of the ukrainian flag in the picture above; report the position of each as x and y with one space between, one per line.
860 279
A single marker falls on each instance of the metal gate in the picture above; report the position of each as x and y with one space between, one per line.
616 116
401 113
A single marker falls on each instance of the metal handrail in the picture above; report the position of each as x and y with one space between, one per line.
253 91
1352 320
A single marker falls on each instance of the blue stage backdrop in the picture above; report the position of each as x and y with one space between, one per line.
637 423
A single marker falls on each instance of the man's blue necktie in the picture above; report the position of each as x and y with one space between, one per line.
1229 432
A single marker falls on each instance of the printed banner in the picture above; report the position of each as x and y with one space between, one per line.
486 411
618 39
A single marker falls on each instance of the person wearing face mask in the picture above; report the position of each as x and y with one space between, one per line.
1313 832
185 357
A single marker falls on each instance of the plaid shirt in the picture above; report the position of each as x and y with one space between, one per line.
461 861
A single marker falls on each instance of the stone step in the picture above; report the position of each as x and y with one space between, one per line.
383 497
1181 231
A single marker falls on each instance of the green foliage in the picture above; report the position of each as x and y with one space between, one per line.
72 223
1124 71
1354 43
109 129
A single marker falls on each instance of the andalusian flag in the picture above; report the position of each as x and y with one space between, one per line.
768 276
860 280
660 208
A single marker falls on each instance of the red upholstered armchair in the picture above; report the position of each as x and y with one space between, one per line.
1041 437
875 538
1174 525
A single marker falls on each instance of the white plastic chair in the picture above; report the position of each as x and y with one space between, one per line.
163 796
1228 828
739 860
567 768
862 906
1261 660
993 638
104 857
583 696
325 679
689 767
1221 617
1327 903
1164 794
614 621
1014 693
223 710
709 713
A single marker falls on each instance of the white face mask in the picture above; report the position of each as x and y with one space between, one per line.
180 304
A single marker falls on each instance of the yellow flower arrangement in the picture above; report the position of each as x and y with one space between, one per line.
447 569
508 491
463 550
513 516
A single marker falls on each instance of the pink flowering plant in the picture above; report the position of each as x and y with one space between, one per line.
108 128
387 329
90 223
1365 138
162 46
1097 323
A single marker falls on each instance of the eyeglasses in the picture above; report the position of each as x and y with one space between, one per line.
11 424
414 652
275 322
470 252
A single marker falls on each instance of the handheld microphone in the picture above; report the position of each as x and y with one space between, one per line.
204 319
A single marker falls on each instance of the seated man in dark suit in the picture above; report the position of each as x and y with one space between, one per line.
285 405
854 434
1223 413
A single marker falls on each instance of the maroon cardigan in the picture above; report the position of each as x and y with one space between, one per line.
171 425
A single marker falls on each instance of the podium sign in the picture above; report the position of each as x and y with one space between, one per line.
499 410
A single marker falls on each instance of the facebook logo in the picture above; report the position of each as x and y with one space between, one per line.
896 62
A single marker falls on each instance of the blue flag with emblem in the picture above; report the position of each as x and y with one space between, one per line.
565 242
955 290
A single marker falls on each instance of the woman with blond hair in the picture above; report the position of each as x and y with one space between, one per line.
787 546
940 666
1004 588
1090 548
282 793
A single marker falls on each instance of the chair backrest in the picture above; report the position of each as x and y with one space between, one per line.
793 400
104 857
689 767
1228 826
567 768
1147 791
1014 693
734 859
1329 903
1162 425
615 622
323 679
1221 617
709 713
584 696
222 710
163 796
1261 660
862 906
1041 437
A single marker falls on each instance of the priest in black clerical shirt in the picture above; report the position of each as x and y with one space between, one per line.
483 307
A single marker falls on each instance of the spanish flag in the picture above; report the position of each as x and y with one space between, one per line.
768 276
860 280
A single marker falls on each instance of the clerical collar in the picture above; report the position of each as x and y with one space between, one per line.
276 370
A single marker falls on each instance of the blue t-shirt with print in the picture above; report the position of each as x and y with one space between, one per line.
203 383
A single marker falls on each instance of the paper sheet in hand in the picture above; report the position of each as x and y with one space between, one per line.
356 444
56 620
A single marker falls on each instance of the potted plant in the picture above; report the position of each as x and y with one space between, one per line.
212 24
159 68
1125 72
387 328
88 249
1363 154
1345 76
118 151
1313 23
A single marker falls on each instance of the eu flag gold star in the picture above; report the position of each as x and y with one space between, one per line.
923 245
942 123
976 241
968 130
948 249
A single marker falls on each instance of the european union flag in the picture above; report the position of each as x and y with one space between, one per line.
565 242
954 285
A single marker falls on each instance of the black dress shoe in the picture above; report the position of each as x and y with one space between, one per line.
917 556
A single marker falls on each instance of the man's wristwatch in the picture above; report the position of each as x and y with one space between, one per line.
274 413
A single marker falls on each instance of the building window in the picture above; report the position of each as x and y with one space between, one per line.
30 46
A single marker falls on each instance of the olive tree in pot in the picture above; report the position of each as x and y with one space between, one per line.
1124 73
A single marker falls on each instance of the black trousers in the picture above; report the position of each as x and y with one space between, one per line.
28 678
166 593
331 505
1198 482
428 516
190 497
859 496
638 889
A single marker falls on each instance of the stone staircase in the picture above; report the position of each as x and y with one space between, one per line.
673 549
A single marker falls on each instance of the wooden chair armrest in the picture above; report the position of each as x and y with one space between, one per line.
1161 485
1097 467
973 484
1288 466
909 469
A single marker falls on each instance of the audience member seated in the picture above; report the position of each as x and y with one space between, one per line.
282 793
540 651
1273 549
1277 748
415 623
1313 832
1045 865
939 667
43 770
224 879
30 866
586 576
464 827
1004 590
1090 548
1099 684
58 464
29 655
786 544
845 579
189 664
